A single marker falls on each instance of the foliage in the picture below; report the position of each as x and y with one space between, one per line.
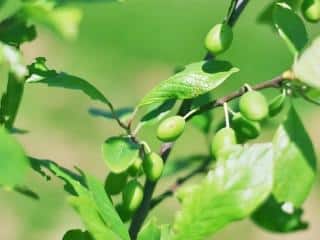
266 182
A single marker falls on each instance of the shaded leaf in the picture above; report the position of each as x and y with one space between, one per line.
196 79
121 113
231 192
202 121
77 234
295 162
290 27
307 67
272 217
119 153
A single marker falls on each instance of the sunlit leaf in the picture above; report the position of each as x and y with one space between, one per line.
307 67
196 79
232 191
150 231
119 153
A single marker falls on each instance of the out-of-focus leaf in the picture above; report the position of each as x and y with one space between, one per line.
26 191
119 153
11 99
295 161
290 27
63 20
307 67
91 202
8 8
273 217
77 234
196 79
12 56
15 31
150 231
177 165
232 191
13 163
312 95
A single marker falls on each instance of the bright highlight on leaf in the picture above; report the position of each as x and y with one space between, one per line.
196 79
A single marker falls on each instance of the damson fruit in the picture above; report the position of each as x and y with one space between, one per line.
219 38
222 141
254 106
153 166
136 168
115 182
132 195
276 105
245 128
311 10
171 129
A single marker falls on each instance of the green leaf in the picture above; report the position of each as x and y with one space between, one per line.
265 17
290 27
307 67
295 162
92 203
12 56
63 20
77 234
11 100
196 79
121 113
119 153
8 8
40 73
312 95
231 192
15 31
271 216
14 164
150 231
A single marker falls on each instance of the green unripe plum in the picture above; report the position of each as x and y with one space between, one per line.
124 213
219 38
245 128
153 166
171 129
115 182
222 140
253 106
276 105
132 195
311 10
136 168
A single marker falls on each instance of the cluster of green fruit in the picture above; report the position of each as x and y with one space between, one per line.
246 124
220 37
151 165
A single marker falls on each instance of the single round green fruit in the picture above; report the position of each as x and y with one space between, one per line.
311 10
276 105
153 166
222 140
219 38
132 195
136 168
253 106
115 182
171 129
124 213
245 128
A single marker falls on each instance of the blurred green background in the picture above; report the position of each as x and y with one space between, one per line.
125 49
